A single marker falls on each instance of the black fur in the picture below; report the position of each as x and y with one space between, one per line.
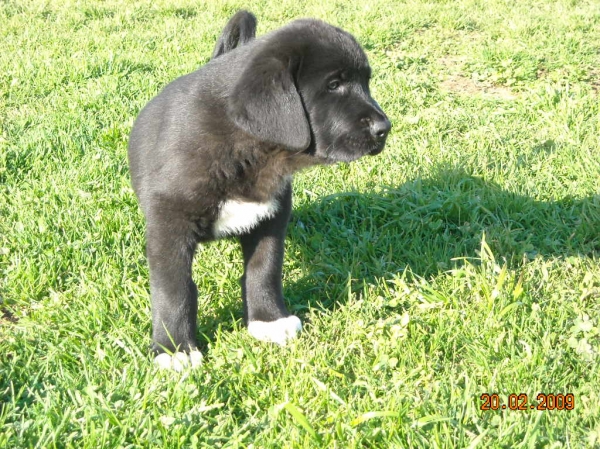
240 29
238 128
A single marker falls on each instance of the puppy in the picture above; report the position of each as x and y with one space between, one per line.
213 155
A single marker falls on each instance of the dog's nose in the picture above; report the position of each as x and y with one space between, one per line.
379 127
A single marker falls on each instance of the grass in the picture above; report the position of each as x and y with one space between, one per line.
463 260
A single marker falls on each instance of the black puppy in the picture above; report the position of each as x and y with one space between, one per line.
213 156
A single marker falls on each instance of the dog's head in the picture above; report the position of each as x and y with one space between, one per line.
306 87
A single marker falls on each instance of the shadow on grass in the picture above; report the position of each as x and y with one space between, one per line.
422 226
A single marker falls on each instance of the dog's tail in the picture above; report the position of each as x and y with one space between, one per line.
240 29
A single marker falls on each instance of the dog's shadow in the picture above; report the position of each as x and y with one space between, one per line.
424 226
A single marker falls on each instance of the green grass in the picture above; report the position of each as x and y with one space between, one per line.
463 260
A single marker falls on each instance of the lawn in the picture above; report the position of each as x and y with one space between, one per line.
463 261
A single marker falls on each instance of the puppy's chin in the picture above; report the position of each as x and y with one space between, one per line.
378 149
342 156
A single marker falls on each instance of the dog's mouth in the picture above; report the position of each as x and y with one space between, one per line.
377 149
349 148
365 145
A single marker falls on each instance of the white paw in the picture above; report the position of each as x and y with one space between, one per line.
178 361
278 331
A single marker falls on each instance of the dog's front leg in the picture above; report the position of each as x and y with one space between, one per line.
170 250
264 310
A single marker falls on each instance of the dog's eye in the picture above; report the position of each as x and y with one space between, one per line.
333 84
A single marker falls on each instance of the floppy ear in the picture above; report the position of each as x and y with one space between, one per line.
266 104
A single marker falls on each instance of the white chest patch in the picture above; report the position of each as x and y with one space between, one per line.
236 217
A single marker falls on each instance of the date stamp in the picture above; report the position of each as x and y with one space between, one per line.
543 401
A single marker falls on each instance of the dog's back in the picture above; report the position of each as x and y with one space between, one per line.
240 29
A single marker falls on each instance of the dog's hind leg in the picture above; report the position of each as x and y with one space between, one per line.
264 310
240 29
